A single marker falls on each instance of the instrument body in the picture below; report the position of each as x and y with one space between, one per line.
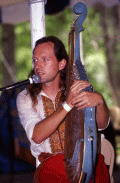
81 133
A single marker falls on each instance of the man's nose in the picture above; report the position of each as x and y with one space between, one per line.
39 67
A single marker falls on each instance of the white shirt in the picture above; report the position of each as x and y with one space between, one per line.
29 118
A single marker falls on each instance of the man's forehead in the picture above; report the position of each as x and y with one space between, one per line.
46 44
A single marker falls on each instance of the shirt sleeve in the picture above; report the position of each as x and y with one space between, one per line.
28 116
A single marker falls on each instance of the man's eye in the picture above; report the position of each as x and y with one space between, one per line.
34 60
45 59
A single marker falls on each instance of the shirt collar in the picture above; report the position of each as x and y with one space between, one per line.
44 94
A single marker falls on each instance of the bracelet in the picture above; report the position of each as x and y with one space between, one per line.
66 107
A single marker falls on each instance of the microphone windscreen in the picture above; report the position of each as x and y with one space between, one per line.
36 78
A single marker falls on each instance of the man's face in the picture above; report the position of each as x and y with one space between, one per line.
46 64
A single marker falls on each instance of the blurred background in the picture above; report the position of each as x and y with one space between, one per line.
100 55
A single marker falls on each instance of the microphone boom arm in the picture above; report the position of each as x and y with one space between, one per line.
34 79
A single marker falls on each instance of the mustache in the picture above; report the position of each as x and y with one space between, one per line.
39 71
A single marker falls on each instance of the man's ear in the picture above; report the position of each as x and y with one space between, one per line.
62 64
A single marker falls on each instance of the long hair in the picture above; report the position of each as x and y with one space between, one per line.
60 53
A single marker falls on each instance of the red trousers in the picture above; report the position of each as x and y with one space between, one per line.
53 171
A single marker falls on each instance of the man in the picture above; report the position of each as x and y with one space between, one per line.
43 107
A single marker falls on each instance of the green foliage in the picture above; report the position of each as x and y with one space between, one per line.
92 35
97 73
23 52
59 25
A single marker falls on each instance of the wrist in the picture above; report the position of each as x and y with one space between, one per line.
66 106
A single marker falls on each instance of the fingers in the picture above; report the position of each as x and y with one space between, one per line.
86 99
78 86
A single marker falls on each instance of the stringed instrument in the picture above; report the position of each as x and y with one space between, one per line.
81 132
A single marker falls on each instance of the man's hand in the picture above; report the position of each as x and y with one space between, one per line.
77 87
82 99
87 99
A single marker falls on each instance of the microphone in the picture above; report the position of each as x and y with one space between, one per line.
33 79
